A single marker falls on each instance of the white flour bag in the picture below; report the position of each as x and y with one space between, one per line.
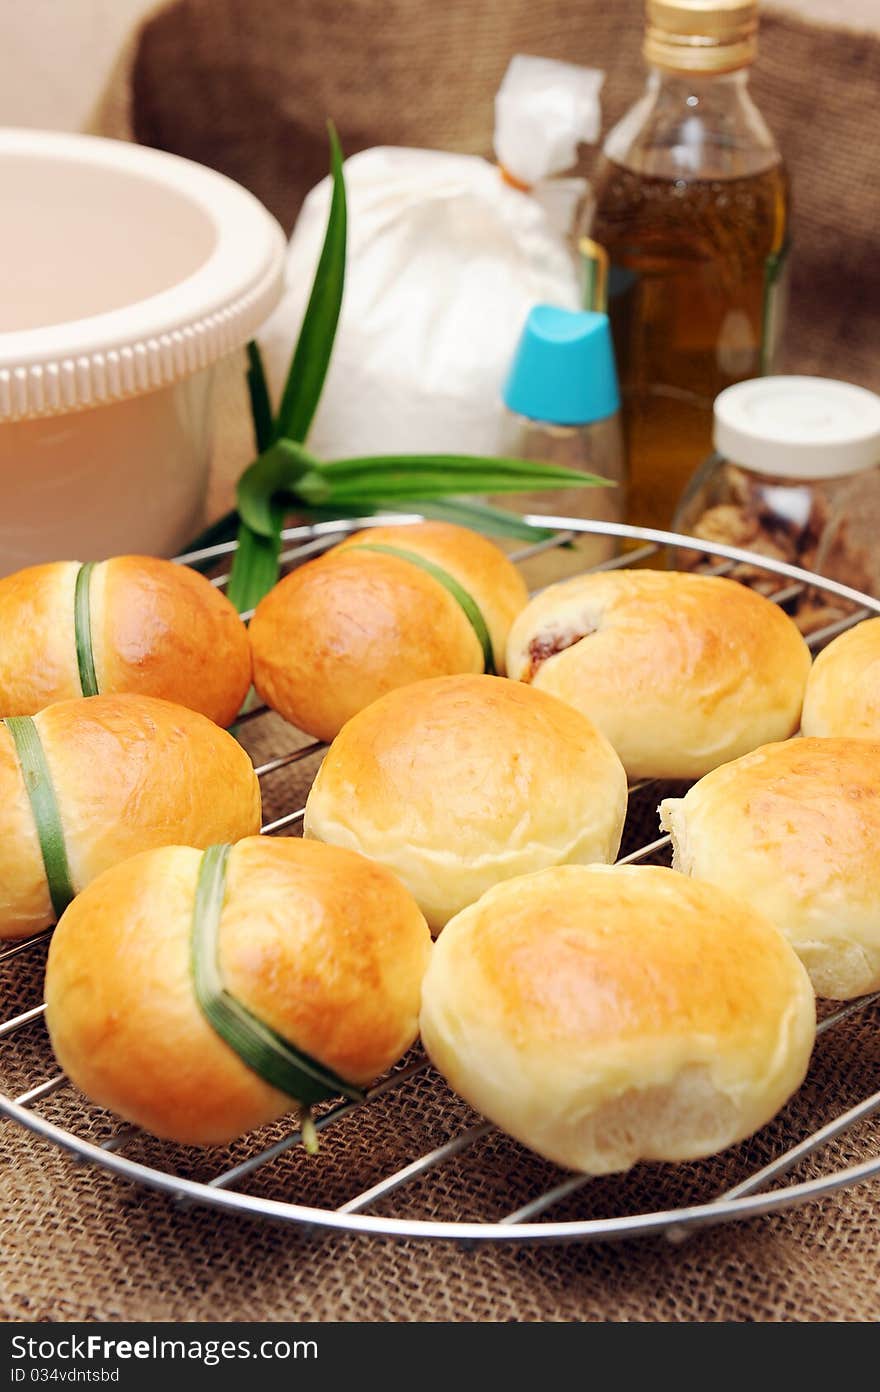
445 258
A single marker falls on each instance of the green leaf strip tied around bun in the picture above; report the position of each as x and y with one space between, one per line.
466 602
85 657
272 1057
41 793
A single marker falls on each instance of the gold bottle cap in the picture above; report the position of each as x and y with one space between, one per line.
707 36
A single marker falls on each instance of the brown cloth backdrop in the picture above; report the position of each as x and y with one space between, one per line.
79 1244
245 85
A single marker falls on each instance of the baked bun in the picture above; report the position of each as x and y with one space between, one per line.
843 688
127 773
457 783
323 947
794 829
155 629
605 1015
681 672
343 630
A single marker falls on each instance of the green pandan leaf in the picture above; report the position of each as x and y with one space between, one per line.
480 517
287 472
319 487
44 805
82 630
274 475
267 1053
451 473
255 567
261 409
463 599
311 358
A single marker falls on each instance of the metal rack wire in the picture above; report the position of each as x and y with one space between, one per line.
525 1222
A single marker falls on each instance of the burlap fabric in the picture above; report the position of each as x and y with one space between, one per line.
245 85
79 1244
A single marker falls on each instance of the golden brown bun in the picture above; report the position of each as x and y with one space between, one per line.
158 629
794 829
37 638
341 631
324 947
476 563
843 689
459 782
25 906
129 773
681 672
606 1015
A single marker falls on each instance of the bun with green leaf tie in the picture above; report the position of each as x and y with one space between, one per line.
131 624
199 995
389 606
86 783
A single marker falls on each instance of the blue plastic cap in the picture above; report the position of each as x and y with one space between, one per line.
563 369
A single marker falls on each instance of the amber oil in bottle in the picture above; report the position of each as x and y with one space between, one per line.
691 203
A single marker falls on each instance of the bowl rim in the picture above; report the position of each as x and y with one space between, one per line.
163 337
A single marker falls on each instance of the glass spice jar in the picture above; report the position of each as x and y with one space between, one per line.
795 477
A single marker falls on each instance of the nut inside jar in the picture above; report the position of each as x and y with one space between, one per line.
825 525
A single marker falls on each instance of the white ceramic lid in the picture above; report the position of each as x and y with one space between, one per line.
798 427
128 268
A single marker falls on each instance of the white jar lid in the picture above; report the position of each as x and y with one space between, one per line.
798 427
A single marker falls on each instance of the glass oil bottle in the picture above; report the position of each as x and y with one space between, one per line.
691 203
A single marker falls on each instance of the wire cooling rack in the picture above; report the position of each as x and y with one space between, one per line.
241 1186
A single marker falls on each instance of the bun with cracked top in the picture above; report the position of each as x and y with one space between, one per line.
794 829
681 672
